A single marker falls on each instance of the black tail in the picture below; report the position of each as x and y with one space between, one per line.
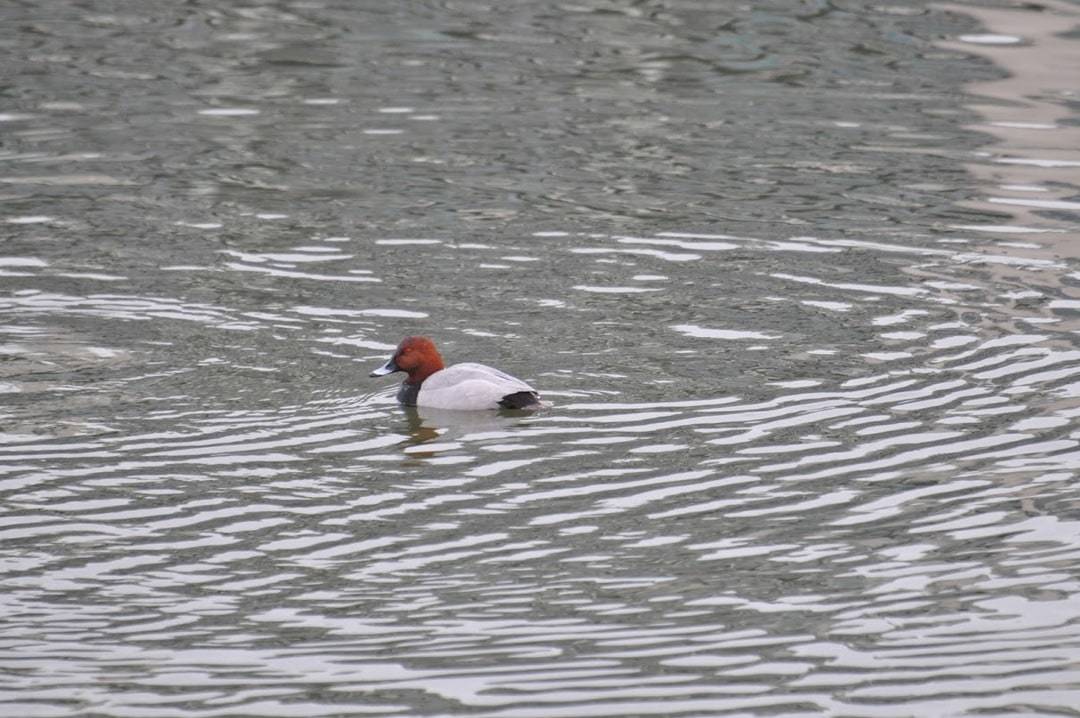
520 400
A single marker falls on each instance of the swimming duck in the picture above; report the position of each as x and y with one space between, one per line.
467 386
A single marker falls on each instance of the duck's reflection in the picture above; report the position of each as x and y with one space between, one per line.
425 425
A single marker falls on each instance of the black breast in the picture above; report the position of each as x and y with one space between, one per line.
407 393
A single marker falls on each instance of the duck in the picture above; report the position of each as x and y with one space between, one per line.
467 386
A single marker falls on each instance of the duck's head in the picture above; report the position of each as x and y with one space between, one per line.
416 356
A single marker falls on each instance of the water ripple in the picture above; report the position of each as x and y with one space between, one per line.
808 340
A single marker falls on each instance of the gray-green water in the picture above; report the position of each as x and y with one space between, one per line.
800 279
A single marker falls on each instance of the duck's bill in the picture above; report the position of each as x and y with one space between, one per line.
388 368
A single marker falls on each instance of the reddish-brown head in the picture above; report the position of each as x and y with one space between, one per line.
416 356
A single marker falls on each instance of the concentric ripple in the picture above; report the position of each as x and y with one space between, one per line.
893 540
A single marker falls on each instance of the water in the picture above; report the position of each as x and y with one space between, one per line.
800 280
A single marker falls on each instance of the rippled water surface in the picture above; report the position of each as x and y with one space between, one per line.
799 279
